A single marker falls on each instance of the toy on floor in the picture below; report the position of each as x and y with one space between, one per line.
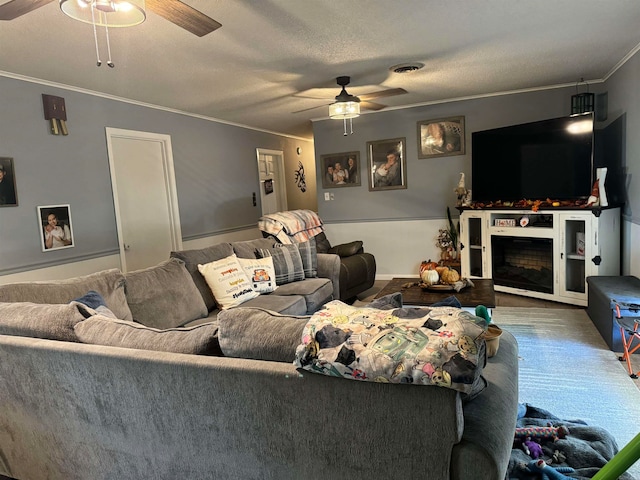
547 472
540 434
531 448
558 457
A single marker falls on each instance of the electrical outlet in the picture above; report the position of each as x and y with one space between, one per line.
326 197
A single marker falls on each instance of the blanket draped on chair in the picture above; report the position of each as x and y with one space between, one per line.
293 226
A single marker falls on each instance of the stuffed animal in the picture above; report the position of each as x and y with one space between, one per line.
547 472
558 457
531 448
540 434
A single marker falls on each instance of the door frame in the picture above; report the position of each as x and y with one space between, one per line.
169 184
279 176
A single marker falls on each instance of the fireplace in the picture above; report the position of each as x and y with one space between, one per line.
522 262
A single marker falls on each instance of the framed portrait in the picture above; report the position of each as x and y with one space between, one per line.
340 169
8 193
441 138
56 232
387 166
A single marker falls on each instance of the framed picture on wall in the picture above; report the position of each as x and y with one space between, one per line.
54 223
8 193
387 167
441 138
340 169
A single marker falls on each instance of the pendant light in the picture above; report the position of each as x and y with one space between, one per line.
346 106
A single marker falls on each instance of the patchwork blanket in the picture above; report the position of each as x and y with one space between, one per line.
586 448
422 346
291 226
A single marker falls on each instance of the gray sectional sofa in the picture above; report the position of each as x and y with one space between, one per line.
113 399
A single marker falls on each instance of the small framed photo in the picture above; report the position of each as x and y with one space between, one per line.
387 164
8 193
441 138
340 169
56 231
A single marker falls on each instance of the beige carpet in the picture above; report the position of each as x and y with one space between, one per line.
567 369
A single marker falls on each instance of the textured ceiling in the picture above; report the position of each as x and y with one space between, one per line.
275 57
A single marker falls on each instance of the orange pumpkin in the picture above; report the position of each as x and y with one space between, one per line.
449 276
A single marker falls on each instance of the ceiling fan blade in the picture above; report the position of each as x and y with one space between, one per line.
17 8
372 106
184 16
311 108
383 93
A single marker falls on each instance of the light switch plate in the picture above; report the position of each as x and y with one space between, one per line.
326 197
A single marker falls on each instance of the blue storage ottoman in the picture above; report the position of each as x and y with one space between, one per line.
604 294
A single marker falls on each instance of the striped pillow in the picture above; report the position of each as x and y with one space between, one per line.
309 257
286 261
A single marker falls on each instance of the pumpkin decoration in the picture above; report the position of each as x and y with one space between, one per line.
441 268
449 276
428 265
429 277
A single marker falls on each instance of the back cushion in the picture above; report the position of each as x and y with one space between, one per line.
108 283
192 258
164 296
247 249
53 322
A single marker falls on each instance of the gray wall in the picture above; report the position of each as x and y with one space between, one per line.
431 181
215 166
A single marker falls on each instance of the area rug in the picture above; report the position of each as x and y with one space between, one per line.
567 369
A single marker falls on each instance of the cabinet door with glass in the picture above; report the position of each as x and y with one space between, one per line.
473 231
577 248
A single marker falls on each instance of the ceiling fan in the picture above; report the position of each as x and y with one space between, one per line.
363 100
175 11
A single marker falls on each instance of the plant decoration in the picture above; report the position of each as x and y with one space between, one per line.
447 239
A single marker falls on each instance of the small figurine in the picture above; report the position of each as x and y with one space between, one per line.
461 191
531 448
547 472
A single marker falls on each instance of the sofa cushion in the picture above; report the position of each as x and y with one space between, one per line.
192 258
228 282
108 283
285 304
50 321
261 273
309 257
101 330
164 296
347 249
260 334
247 248
287 262
315 291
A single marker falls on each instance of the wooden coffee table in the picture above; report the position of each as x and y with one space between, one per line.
482 293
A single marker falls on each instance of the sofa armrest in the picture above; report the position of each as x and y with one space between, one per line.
347 249
329 267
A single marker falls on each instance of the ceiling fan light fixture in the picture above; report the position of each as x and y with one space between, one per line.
344 110
111 13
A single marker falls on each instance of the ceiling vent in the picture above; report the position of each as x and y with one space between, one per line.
406 67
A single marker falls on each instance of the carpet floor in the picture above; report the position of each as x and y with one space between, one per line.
567 369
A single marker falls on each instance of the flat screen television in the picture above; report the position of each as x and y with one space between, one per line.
535 161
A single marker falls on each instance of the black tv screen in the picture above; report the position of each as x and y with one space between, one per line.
535 161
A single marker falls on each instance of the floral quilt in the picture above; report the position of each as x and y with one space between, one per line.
421 346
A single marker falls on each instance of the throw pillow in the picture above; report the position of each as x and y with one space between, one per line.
347 249
228 282
309 257
261 273
164 296
109 283
199 340
52 322
286 261
260 334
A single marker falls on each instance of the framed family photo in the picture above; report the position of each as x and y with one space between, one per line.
56 231
340 169
8 194
387 164
441 138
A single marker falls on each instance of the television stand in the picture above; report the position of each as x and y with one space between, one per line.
547 254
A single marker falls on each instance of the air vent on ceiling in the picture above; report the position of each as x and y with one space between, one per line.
406 67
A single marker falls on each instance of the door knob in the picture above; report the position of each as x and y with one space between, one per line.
127 247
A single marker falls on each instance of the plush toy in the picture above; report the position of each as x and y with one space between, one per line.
547 472
531 448
540 434
558 457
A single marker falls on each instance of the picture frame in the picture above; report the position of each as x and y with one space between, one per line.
349 166
56 231
8 192
387 164
442 137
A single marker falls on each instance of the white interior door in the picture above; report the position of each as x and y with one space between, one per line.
144 196
271 170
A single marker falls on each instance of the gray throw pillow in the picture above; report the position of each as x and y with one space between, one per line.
192 258
260 334
286 262
100 330
309 257
164 296
53 322
108 283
